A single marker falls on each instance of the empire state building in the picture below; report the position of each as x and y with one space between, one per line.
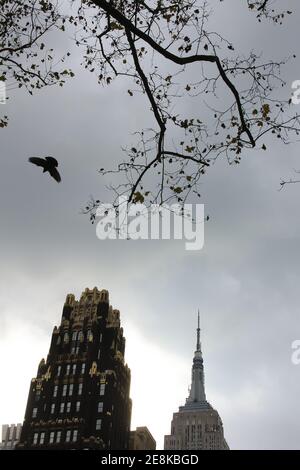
197 425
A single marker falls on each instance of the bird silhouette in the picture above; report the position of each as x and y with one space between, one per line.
48 164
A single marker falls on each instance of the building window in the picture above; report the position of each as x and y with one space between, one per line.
64 392
66 338
62 408
68 369
102 389
100 340
80 389
35 438
37 395
34 412
58 340
77 406
55 390
58 436
99 352
74 369
58 371
74 336
71 386
98 424
51 438
68 407
80 336
73 350
75 435
100 406
68 436
42 438
52 408
83 368
77 350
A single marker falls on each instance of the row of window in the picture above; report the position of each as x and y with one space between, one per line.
67 390
70 369
66 406
55 437
205 427
77 336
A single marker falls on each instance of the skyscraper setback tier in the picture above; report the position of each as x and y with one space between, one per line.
196 426
80 396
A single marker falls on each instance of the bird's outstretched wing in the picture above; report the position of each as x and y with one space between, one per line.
37 161
52 161
54 173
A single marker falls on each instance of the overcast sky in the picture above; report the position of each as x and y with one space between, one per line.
245 281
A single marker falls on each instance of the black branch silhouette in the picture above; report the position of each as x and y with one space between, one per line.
239 101
181 149
25 58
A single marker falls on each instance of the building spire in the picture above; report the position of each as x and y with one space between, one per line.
197 392
198 347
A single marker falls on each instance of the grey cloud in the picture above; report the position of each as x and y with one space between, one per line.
245 280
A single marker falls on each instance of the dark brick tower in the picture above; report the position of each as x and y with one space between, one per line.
80 396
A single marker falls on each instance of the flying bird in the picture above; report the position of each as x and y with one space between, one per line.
48 164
